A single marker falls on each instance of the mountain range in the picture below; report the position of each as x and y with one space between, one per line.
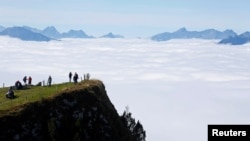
225 37
183 33
51 33
27 33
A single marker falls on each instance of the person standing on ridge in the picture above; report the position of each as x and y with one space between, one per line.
29 80
25 80
75 78
70 76
49 81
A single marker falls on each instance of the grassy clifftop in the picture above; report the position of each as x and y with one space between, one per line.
62 112
29 95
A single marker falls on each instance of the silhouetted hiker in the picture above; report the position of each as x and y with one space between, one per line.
25 79
29 80
86 76
49 81
70 76
10 93
75 78
18 85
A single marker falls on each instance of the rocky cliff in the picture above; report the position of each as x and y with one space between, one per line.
82 112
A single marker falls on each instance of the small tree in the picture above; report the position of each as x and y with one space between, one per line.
139 133
135 128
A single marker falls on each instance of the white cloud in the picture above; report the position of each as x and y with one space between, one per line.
174 88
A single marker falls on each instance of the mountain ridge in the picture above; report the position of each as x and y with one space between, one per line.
49 33
27 33
237 39
75 34
24 34
183 33
111 35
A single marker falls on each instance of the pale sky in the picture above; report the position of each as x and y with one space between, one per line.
131 18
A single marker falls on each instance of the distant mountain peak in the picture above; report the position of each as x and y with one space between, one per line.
75 34
51 32
237 39
51 28
183 29
111 35
245 34
23 34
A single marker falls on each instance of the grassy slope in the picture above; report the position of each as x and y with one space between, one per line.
86 109
35 93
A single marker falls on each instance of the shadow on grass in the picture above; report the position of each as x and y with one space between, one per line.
15 96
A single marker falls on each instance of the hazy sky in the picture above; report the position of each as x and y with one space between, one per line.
127 17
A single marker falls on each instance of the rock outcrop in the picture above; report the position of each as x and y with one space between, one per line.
81 112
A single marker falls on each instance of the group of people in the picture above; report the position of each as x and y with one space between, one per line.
18 84
25 80
75 77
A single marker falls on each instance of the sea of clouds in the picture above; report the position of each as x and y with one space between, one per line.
175 88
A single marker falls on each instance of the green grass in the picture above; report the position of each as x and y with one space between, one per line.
32 94
38 93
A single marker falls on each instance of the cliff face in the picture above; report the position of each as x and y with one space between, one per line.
83 112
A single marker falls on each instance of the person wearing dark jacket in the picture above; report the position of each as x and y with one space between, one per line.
75 78
70 76
49 81
24 80
18 85
10 93
29 80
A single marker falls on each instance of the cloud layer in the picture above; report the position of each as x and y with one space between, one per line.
174 88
